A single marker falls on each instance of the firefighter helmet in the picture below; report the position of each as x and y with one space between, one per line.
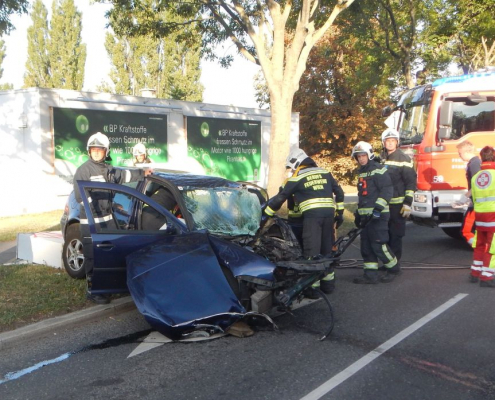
99 140
363 147
295 158
138 150
390 133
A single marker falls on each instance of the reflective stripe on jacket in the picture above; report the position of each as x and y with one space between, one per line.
483 193
374 188
313 190
403 176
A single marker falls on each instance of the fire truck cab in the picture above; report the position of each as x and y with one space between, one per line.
432 120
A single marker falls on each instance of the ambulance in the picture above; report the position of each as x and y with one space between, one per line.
432 120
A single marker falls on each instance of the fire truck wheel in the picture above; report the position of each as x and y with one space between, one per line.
454 233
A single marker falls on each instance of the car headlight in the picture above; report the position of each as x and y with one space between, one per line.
420 198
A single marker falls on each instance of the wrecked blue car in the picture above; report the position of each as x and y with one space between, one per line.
193 253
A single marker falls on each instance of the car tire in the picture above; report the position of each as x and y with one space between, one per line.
72 254
454 233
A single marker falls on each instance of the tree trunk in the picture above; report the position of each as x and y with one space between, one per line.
280 107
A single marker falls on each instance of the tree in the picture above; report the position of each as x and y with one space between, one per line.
38 64
339 100
166 65
278 36
66 52
3 86
465 23
7 8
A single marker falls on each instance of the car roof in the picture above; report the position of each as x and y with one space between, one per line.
197 181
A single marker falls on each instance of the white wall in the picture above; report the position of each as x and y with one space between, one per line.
28 175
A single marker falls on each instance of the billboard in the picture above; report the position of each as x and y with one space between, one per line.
73 127
228 148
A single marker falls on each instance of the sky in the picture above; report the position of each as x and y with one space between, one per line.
232 86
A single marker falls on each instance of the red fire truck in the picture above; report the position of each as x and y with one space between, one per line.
432 120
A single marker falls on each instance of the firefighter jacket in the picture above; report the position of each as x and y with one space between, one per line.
102 172
313 191
403 176
483 193
374 188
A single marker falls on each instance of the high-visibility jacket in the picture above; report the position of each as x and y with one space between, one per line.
483 193
374 188
403 176
313 189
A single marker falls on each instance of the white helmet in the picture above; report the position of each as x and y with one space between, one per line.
363 147
99 140
295 158
390 133
138 150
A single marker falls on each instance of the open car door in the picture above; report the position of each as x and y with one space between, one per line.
117 230
172 273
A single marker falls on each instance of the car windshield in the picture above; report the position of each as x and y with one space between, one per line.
226 211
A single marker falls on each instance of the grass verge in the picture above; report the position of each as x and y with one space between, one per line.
30 293
11 226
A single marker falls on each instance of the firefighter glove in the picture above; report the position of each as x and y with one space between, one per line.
357 219
339 219
405 210
376 213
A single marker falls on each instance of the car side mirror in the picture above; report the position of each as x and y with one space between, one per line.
387 111
169 228
445 120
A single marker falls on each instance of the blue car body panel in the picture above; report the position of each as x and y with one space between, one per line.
178 283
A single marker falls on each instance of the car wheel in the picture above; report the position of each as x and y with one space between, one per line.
72 254
454 233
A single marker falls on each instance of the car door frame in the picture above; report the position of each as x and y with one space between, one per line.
112 278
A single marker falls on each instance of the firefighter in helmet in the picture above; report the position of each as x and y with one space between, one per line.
140 155
403 176
313 190
96 169
374 193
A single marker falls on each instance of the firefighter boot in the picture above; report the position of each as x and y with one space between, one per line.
490 283
369 277
327 284
390 276
473 279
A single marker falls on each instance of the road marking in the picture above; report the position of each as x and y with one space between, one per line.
368 358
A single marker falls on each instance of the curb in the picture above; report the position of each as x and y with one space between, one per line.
8 339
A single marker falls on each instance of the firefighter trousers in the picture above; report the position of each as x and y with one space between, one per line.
396 230
374 247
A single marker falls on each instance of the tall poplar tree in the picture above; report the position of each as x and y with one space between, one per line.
37 64
169 66
3 86
66 52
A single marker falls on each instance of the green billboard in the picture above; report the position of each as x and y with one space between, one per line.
73 127
228 148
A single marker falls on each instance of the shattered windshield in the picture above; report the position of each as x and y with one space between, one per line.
226 211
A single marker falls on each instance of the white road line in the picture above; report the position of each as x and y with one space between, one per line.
368 358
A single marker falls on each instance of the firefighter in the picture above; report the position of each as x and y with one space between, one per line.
374 193
483 194
95 169
467 154
140 155
313 190
401 171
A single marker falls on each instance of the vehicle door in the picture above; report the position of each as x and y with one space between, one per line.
121 231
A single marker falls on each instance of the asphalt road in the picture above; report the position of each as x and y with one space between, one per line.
427 335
